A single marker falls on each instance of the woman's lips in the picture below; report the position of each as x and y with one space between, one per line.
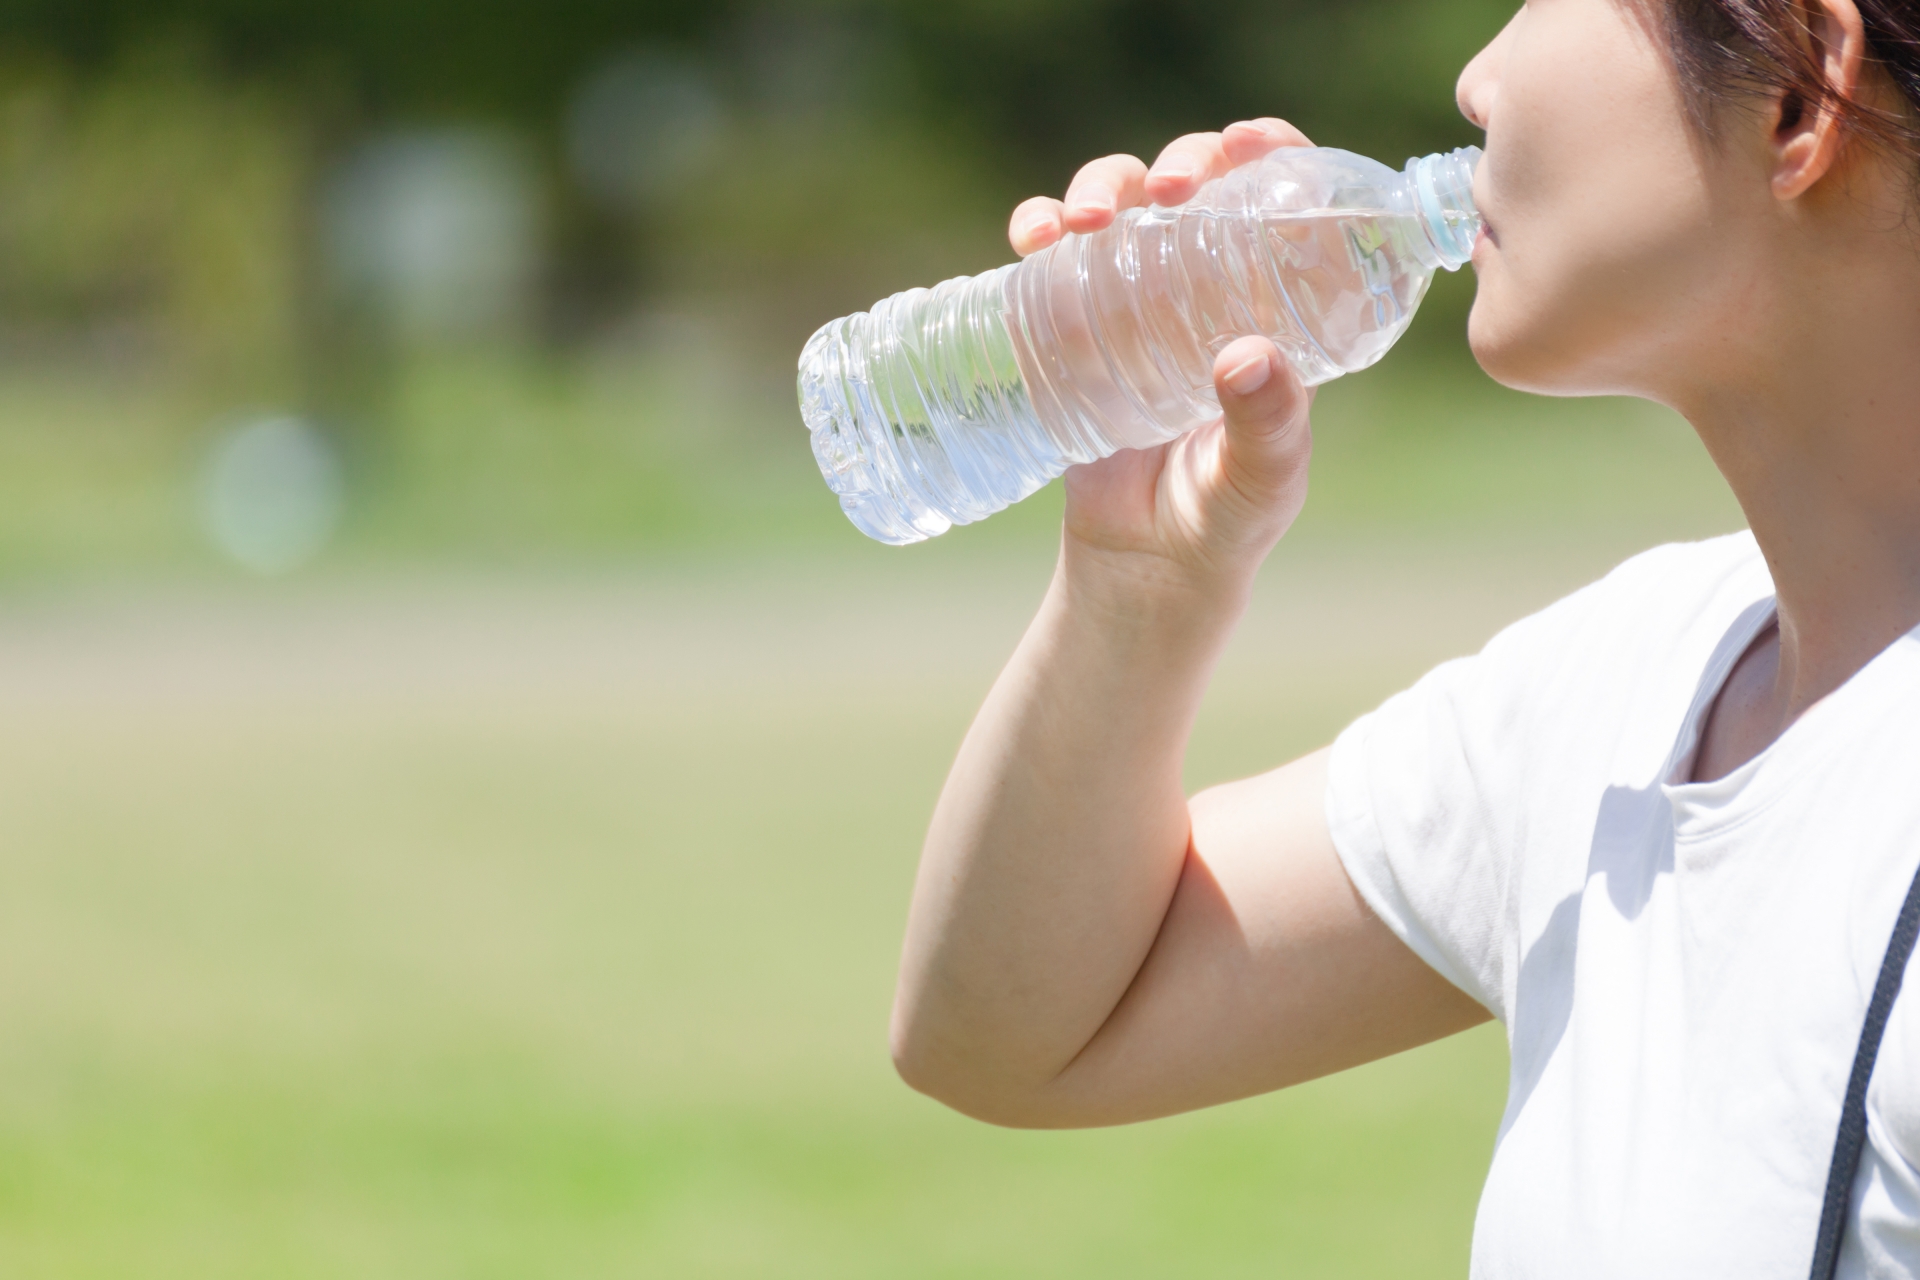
1484 247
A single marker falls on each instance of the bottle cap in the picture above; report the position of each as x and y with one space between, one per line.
1443 194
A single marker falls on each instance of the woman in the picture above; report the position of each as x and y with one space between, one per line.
1661 830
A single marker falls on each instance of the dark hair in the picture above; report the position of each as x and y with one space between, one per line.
1734 48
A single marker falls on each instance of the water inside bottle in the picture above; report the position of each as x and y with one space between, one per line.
1117 348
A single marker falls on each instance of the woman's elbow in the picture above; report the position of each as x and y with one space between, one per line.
970 1088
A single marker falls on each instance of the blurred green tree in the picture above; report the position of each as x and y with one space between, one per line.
173 157
1046 82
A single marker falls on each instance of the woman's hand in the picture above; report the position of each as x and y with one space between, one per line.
1205 509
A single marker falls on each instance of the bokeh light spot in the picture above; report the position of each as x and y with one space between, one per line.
272 494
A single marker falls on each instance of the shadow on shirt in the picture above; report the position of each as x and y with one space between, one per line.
1632 848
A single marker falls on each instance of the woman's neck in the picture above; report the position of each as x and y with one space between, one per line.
1817 429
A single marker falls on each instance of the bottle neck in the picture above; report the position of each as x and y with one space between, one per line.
1442 187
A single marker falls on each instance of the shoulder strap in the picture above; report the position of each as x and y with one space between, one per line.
1852 1137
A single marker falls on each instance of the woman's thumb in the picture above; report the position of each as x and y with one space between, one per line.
1265 408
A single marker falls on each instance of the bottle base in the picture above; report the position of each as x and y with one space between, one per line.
846 427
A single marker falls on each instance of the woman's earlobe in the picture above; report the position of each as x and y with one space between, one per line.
1798 164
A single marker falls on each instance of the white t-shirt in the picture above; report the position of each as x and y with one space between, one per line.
1682 968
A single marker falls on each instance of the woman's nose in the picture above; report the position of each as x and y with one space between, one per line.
1479 83
1474 95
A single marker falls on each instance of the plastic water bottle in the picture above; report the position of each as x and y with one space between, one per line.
942 406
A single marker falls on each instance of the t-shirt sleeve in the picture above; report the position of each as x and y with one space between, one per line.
1425 798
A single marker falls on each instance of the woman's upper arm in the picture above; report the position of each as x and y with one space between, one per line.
1268 970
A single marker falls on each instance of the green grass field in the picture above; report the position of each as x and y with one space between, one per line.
420 918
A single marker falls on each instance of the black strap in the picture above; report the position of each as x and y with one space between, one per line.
1852 1138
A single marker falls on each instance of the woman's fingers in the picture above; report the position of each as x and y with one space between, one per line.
1097 194
1102 189
1036 224
1106 186
1190 162
1183 166
1248 140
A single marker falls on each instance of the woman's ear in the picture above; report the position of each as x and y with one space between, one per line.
1808 135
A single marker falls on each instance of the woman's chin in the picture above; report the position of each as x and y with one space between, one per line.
1514 355
1498 352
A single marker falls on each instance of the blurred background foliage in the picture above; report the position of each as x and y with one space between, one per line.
391 220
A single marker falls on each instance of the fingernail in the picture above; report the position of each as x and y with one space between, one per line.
1171 173
1034 228
1093 200
1248 377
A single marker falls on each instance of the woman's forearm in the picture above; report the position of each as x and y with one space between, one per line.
1060 836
